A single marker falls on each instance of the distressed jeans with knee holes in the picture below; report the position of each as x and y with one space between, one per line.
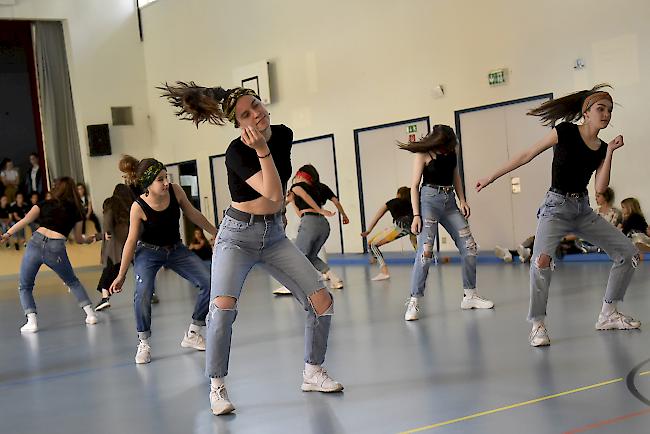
51 252
241 245
440 207
561 215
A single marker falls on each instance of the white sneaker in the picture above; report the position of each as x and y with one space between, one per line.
91 319
539 337
219 402
381 276
616 321
324 276
281 291
193 340
30 327
319 381
524 253
412 309
335 281
503 254
144 353
475 302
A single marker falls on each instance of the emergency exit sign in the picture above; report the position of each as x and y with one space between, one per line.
412 129
497 77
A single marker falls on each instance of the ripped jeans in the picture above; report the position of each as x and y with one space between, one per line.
148 260
51 252
561 215
239 246
438 206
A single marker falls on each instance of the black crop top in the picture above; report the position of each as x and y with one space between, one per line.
242 163
321 194
440 170
400 209
161 228
59 216
573 160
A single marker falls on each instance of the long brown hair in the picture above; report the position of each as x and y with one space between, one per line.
441 139
633 205
65 190
568 108
120 203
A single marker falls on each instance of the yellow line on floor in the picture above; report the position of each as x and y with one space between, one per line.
520 404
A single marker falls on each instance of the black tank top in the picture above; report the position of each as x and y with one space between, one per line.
161 227
440 170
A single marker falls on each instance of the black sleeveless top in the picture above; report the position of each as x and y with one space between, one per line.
573 161
161 227
440 170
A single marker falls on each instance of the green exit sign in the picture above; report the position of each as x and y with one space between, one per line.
413 129
497 77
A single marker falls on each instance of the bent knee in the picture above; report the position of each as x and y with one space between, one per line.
225 302
543 261
321 302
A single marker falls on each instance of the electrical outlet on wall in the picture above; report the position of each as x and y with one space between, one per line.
443 240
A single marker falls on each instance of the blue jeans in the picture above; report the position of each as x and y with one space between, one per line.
51 252
438 206
561 215
312 234
148 260
240 245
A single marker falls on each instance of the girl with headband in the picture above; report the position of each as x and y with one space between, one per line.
258 164
577 153
435 167
308 195
154 238
57 217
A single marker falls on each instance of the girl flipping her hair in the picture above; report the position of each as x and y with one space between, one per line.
258 164
577 153
435 167
57 217
154 238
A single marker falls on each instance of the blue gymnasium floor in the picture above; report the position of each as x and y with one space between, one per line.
452 371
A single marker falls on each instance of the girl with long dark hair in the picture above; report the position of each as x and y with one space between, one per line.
87 206
154 238
57 217
258 164
435 168
577 153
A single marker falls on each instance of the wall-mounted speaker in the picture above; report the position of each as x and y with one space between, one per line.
99 140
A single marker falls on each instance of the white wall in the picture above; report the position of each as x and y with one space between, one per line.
106 61
340 65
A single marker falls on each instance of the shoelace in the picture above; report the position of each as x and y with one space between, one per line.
540 330
143 347
410 304
221 392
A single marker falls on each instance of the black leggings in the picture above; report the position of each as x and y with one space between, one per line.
109 274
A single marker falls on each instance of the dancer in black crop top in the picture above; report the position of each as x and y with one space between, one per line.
154 239
258 164
434 165
577 153
57 217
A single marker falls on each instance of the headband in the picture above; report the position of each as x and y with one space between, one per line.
150 174
230 101
594 98
305 175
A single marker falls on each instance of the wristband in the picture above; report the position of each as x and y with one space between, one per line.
267 155
417 215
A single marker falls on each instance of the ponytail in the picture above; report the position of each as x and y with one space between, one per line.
568 108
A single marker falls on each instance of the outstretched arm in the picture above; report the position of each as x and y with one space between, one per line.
520 159
380 213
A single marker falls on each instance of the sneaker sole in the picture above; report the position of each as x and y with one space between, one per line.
102 307
337 286
184 345
314 388
224 411
411 319
28 330
144 362
475 307
545 344
616 328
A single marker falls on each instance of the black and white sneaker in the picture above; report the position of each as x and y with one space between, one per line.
103 304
